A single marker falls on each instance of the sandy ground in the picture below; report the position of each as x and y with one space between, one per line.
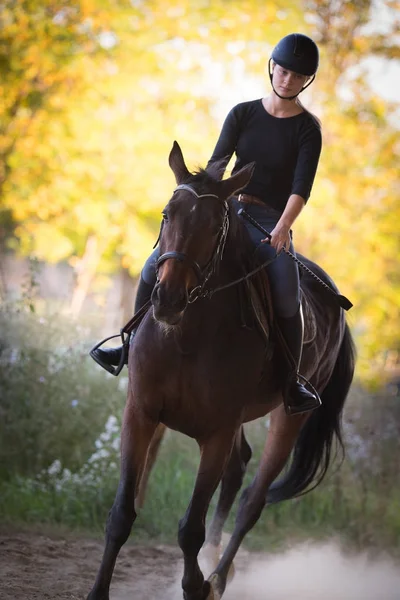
40 565
36 566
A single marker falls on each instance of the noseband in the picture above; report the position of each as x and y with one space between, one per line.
202 274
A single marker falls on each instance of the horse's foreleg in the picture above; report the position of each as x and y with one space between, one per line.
136 435
214 455
280 441
230 485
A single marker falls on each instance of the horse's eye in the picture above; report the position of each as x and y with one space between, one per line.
164 216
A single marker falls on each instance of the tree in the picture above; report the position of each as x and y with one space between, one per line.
106 187
357 196
87 179
39 42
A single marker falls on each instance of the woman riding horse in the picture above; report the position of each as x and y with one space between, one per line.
201 364
283 139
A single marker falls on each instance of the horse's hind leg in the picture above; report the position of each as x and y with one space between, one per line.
280 441
151 459
230 485
214 455
136 435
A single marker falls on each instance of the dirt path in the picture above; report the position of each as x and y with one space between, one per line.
48 566
42 566
37 566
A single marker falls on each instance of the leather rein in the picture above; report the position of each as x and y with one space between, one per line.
204 274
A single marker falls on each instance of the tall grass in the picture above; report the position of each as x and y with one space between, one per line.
53 403
59 451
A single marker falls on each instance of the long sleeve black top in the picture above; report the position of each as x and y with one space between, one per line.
285 150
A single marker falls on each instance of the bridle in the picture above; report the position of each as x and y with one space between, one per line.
203 274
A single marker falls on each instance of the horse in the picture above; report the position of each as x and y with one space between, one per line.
205 361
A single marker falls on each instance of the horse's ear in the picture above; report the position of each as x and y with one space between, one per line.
177 163
238 181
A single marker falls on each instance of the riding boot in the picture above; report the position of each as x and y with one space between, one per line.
112 356
297 399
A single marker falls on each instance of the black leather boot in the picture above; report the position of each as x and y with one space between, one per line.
112 356
297 398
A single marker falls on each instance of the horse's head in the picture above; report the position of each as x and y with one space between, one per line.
194 230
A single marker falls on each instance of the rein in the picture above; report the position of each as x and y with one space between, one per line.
203 276
211 292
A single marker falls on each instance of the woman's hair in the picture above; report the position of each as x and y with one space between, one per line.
314 117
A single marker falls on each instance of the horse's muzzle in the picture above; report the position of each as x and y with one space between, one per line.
168 305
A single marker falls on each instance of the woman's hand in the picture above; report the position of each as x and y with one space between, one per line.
280 238
280 235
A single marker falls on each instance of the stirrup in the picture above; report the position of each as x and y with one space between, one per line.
306 406
124 353
309 404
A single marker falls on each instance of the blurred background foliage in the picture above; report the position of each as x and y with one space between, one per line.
93 94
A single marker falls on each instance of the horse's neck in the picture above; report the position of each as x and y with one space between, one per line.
234 263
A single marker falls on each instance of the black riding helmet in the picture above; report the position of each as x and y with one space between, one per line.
298 53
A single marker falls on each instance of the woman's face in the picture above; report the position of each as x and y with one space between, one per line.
287 83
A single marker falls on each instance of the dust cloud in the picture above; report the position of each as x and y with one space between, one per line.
308 572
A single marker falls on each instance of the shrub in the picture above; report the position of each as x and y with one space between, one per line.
54 400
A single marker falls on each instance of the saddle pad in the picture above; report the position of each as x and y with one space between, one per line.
310 322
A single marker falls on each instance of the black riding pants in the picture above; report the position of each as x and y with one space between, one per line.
282 271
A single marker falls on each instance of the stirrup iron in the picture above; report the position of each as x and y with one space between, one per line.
124 353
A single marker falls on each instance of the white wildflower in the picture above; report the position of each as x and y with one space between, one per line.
55 468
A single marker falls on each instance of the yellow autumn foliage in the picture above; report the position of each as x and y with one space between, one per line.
94 93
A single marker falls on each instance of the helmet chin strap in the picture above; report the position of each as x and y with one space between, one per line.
287 97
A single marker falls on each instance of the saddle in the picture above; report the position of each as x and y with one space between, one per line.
256 306
260 312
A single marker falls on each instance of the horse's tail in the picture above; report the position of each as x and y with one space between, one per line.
313 451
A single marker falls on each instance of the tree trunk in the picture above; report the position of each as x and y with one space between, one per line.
85 271
128 293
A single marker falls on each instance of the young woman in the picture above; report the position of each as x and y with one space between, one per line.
284 141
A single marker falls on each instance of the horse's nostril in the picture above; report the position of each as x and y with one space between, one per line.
168 302
155 296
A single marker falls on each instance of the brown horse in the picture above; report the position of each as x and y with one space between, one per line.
204 362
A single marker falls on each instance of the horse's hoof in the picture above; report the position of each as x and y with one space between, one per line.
210 556
214 594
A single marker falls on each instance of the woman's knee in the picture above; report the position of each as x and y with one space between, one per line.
285 286
149 272
286 307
